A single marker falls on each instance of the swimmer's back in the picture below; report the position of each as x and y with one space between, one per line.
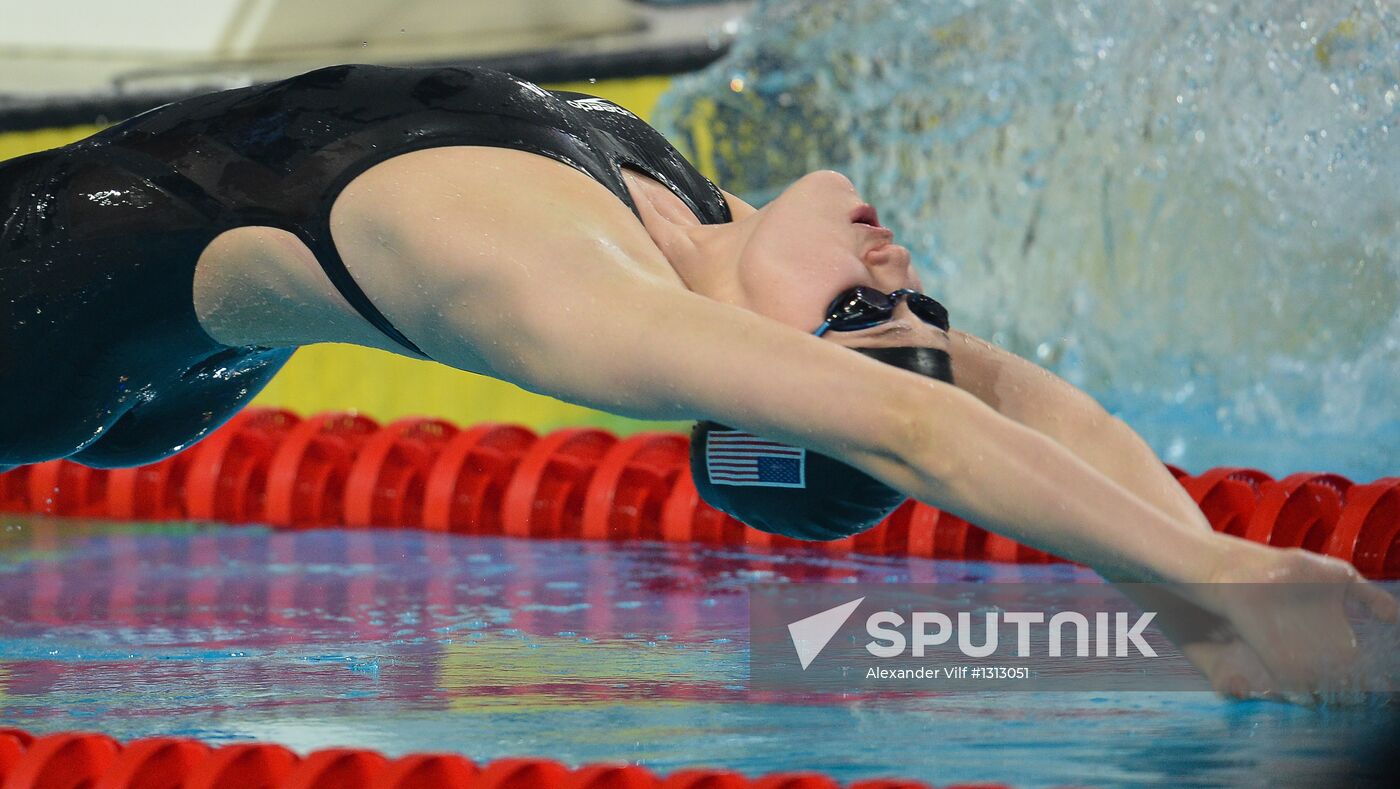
100 238
278 155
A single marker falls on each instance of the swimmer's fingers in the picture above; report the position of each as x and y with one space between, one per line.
1239 687
1343 698
1237 673
1253 683
1377 602
1297 698
1234 670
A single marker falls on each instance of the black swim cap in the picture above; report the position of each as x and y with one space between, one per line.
793 491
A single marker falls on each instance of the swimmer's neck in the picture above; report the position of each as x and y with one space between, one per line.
705 257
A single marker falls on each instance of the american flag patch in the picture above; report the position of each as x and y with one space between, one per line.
733 457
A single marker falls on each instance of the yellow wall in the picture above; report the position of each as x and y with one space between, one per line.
385 386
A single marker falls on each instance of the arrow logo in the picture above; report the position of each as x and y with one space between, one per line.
811 635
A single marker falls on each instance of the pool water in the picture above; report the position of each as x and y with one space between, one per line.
407 641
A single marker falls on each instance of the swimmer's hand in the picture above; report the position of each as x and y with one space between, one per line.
1216 649
1273 624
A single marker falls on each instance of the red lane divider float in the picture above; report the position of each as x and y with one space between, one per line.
545 495
156 761
306 475
1227 496
63 760
271 466
1368 531
467 480
630 486
14 490
62 488
227 476
72 759
385 484
1299 511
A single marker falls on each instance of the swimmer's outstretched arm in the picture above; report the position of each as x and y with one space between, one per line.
602 325
1021 390
1033 396
655 351
671 354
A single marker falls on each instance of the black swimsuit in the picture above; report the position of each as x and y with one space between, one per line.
102 358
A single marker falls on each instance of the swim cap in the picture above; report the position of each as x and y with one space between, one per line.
782 489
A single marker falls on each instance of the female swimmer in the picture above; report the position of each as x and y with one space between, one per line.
154 276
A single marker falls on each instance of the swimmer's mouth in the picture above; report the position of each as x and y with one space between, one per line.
875 236
865 215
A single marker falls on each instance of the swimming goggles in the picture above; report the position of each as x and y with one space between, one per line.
862 307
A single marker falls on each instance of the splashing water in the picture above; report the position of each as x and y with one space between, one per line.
1191 210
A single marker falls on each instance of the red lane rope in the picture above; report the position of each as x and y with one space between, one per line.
82 759
270 466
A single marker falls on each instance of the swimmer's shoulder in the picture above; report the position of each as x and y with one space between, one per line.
494 212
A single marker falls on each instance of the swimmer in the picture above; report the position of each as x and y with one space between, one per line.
154 277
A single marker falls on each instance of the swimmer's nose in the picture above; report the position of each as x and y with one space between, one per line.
891 268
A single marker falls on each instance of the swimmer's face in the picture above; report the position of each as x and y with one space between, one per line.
817 239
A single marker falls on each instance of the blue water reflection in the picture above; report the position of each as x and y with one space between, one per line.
409 641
